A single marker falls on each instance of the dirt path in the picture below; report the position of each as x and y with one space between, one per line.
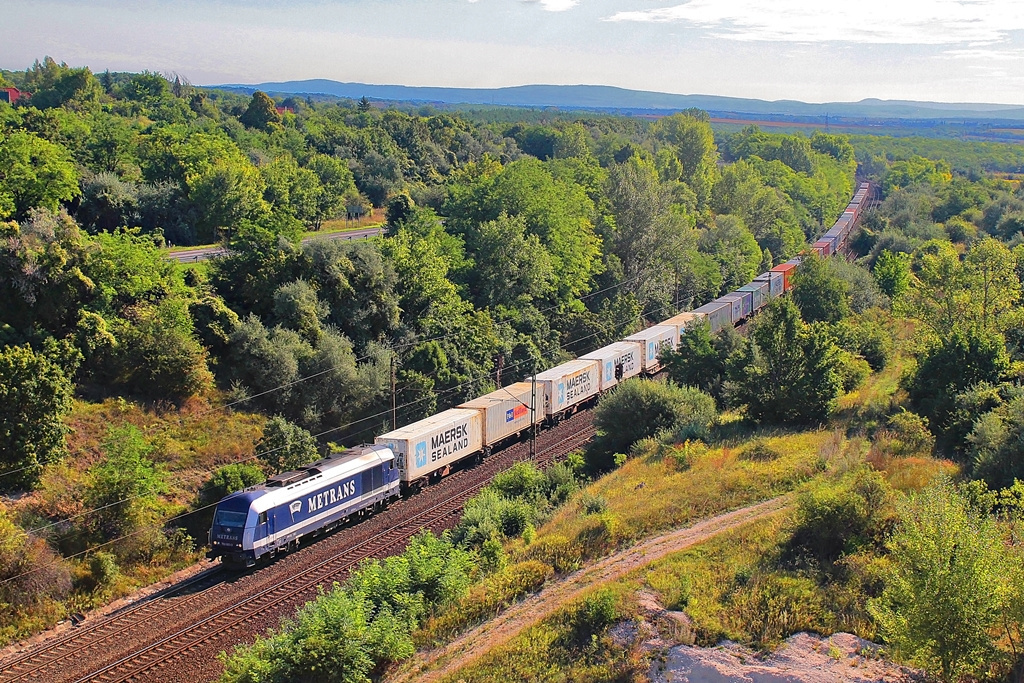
474 643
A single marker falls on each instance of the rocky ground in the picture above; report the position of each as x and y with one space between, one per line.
803 658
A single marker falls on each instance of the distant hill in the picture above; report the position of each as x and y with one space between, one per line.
612 98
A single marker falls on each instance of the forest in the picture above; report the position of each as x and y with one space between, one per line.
137 391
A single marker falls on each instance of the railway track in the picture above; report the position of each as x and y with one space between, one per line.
210 620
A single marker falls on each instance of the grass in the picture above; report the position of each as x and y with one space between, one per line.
654 492
573 645
734 586
189 442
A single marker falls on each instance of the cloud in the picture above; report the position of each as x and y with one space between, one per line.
937 22
555 5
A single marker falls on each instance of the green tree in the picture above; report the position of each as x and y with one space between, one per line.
261 113
788 371
942 594
996 441
285 446
510 267
58 85
641 408
337 183
124 485
892 271
36 395
229 479
694 142
701 358
730 243
650 240
818 293
33 173
952 365
221 184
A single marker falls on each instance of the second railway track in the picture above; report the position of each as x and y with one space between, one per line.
132 645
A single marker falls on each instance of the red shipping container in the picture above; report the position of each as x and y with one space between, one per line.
787 270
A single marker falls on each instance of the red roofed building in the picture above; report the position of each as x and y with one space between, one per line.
11 95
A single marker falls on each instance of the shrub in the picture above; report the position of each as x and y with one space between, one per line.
522 480
562 554
759 451
910 434
103 568
841 518
589 618
642 408
592 504
486 599
852 370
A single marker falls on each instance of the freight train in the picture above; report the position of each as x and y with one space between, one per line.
264 520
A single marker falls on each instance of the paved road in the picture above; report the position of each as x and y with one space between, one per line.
204 253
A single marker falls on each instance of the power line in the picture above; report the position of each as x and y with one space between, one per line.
325 371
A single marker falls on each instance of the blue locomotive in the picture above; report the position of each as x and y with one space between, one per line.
264 520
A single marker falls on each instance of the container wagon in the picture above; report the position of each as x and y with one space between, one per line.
429 448
508 412
568 387
652 340
617 362
718 315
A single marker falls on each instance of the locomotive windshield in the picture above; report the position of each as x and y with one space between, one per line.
228 518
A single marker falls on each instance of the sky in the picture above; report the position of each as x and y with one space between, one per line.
808 50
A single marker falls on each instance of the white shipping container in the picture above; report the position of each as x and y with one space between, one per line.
507 411
652 341
434 442
567 384
684 322
623 355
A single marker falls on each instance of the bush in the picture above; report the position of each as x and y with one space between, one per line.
643 408
522 480
486 599
103 568
589 618
124 485
285 446
228 479
562 554
36 395
852 370
841 518
759 451
592 504
910 434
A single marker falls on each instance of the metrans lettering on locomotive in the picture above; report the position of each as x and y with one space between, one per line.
331 496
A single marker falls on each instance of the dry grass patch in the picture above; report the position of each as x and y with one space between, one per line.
652 492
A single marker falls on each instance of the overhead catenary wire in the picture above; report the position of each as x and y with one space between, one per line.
193 511
330 369
325 432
